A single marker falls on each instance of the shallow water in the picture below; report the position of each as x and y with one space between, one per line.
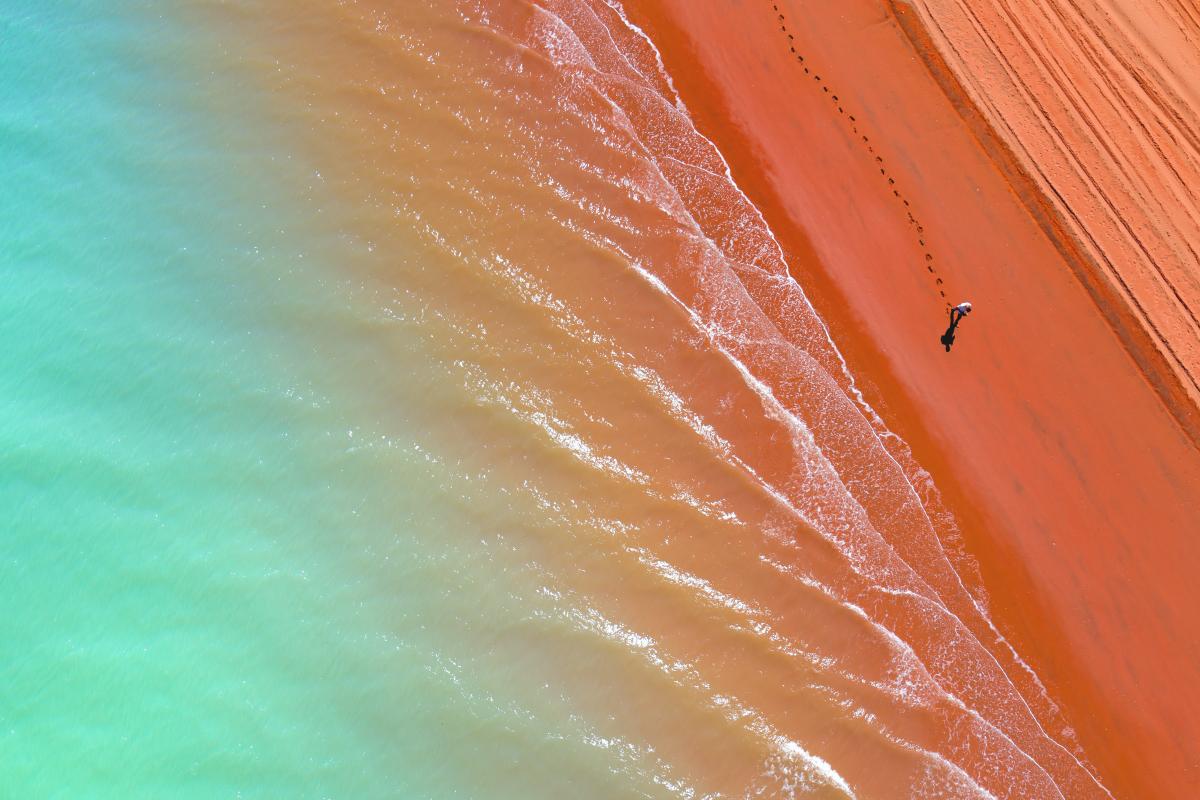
405 402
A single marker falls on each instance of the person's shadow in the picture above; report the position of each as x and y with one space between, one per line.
948 337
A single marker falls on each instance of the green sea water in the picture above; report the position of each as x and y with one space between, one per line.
230 563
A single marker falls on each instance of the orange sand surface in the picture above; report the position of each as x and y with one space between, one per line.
1095 103
1060 428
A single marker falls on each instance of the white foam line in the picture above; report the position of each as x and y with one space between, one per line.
615 46
771 401
767 396
662 67
905 647
788 746
593 620
882 429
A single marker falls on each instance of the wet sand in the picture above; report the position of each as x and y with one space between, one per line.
1048 430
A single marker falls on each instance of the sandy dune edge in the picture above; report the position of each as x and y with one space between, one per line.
1090 106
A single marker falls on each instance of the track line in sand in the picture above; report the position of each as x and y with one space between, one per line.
864 141
1163 364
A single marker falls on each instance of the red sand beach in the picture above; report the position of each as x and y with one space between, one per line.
1060 429
1091 107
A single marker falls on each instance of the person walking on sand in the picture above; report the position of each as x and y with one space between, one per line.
956 316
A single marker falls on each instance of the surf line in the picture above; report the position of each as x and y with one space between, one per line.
865 142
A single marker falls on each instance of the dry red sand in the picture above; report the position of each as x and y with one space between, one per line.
1094 104
1051 428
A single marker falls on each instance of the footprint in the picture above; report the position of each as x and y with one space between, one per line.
871 150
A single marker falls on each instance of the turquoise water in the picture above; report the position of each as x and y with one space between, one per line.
228 568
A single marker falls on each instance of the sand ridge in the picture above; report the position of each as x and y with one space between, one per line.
1095 104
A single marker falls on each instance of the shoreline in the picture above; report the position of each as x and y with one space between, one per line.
1032 465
